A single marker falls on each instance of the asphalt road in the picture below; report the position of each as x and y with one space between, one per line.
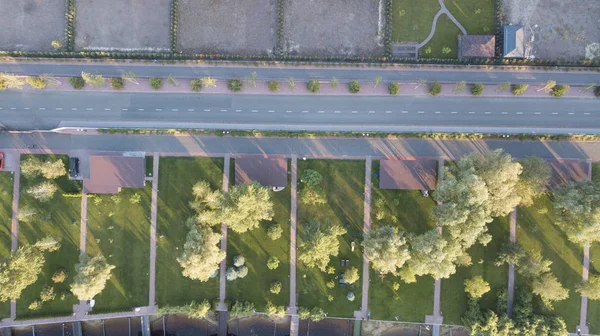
46 110
342 74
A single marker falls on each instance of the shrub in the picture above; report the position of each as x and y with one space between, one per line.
234 85
274 311
135 198
303 313
518 89
59 276
273 263
330 270
354 86
275 287
560 90
116 83
156 83
4 85
476 287
334 82
313 86
36 82
231 274
350 296
35 305
196 84
77 82
311 177
330 298
313 196
330 284
242 272
239 261
477 89
317 314
394 88
596 91
274 231
273 85
435 88
351 275
242 309
47 294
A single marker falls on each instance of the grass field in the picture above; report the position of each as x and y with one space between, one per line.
412 19
257 247
536 231
477 16
593 316
410 212
343 182
176 179
454 298
596 172
61 219
446 33
119 229
6 192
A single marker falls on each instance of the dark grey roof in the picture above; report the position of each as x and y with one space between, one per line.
514 41
483 46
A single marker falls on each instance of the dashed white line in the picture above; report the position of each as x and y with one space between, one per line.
288 111
89 109
190 110
13 108
158 110
73 108
1 108
252 110
420 112
235 110
504 112
41 108
337 112
471 112
488 112
371 112
27 108
519 112
123 109
304 111
208 110
270 111
537 113
223 110
107 109
586 113
388 112
175 110
321 111
554 112
404 112
140 109
571 113
453 112
59 108
437 112
354 112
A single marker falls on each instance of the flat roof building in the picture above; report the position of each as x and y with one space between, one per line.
108 174
408 174
269 172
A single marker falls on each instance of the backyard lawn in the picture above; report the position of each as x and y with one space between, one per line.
454 299
446 36
536 231
343 183
6 192
410 212
256 247
477 16
593 314
60 217
412 19
119 228
176 179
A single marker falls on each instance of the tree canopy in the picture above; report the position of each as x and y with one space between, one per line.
476 286
577 208
201 254
386 249
49 169
245 206
91 276
318 242
533 180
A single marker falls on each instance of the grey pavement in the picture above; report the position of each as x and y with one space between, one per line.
153 219
511 266
189 71
293 309
583 325
366 229
223 266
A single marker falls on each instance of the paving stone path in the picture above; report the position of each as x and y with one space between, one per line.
443 10
223 280
366 229
293 309
14 229
153 212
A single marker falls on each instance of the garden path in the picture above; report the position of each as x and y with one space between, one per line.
443 10
153 216
222 280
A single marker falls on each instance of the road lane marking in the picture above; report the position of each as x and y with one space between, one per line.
252 110
554 112
420 112
537 113
354 112
337 111
223 110
471 112
89 109
140 109
388 112
519 112
371 112
270 111
106 109
586 113
13 108
175 110
453 112
190 110
73 108
304 111
504 112
27 108
41 108
488 112
288 111
59 108
208 110
571 113
404 112
235 110
437 112
321 111
158 110
123 109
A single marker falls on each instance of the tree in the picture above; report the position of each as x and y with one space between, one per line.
291 83
171 80
241 310
272 263
549 289
274 231
311 178
130 77
43 192
590 288
386 249
36 82
239 261
244 207
318 242
459 87
334 82
313 86
59 276
209 82
534 179
93 80
303 313
435 88
431 254
354 86
550 84
205 203
577 209
47 293
376 81
196 85
313 196
477 89
22 268
350 296
76 82
519 89
201 254
503 87
10 81
91 275
234 85
155 83
560 90
394 88
351 275
56 44
273 86
275 287
116 83
476 287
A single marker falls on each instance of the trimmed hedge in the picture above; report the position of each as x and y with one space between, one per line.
313 86
77 82
156 83
477 89
273 86
196 85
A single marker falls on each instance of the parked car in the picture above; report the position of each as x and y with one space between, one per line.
1 160
74 167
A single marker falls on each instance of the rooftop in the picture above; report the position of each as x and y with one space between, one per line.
417 174
108 174
514 41
268 172
482 46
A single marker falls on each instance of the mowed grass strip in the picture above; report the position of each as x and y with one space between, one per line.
343 183
119 229
477 16
61 218
412 19
257 248
6 193
536 231
446 36
409 211
454 299
177 176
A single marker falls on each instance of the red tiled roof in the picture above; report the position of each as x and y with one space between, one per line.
408 174
108 174
267 171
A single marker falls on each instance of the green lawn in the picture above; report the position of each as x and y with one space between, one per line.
477 16
593 314
412 19
454 298
410 212
119 229
596 172
446 35
536 231
343 182
61 218
176 179
257 247
149 165
6 192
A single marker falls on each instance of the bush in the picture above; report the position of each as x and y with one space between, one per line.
596 91
351 275
135 198
231 274
477 89
274 311
196 84
354 86
234 85
518 89
47 294
273 85
560 90
317 314
330 284
435 88
156 83
303 313
76 82
239 261
394 88
274 231
35 305
311 177
313 196
275 287
242 272
116 83
273 263
59 276
36 82
330 298
350 296
3 84
313 86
